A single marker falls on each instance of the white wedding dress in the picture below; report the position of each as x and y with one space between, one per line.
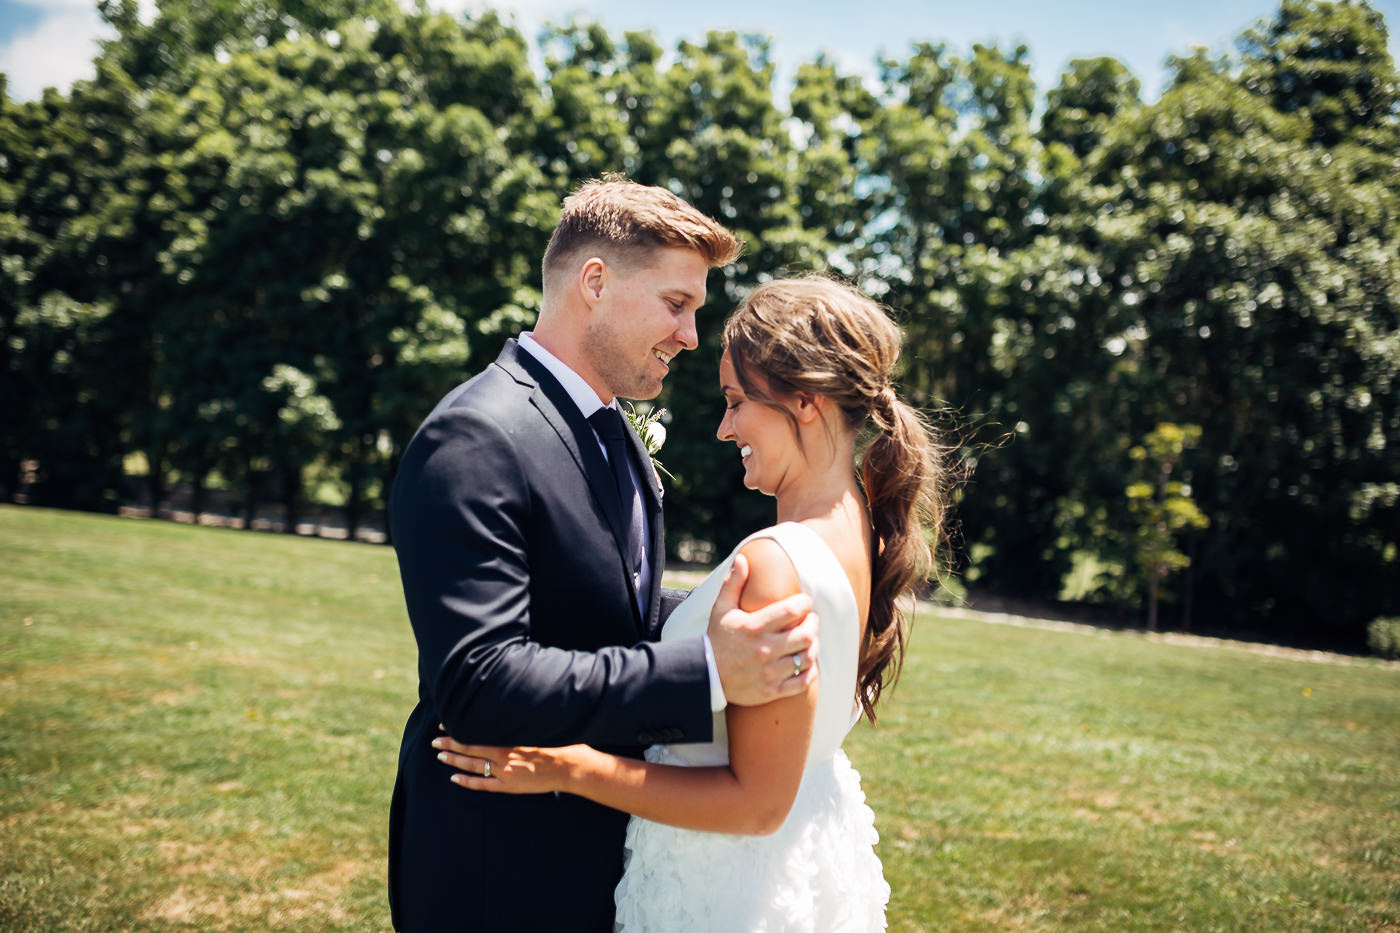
818 873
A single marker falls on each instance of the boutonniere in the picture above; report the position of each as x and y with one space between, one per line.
652 430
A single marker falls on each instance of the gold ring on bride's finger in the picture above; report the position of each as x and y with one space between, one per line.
796 665
486 770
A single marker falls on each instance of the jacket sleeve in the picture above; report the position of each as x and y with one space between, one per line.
670 599
459 517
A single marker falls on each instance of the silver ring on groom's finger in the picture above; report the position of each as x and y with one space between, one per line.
486 770
796 665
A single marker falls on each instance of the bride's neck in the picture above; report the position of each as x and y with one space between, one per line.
824 485
825 497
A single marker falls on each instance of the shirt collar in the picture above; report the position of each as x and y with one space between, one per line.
579 390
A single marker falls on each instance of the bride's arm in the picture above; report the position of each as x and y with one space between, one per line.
751 795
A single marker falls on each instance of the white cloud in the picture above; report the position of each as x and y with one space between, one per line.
55 52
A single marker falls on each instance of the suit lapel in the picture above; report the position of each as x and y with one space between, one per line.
578 437
657 546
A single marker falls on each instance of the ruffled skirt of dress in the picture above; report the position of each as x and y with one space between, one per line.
817 874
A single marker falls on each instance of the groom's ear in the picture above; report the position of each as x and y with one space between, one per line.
592 280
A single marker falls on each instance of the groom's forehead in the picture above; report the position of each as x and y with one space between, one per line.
673 274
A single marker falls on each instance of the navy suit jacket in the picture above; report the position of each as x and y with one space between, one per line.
510 544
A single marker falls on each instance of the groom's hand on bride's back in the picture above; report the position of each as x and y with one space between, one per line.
759 654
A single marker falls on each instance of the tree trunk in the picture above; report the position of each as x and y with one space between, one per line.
10 479
155 485
352 500
355 479
1188 598
250 498
291 498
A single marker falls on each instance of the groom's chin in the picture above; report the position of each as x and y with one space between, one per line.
648 392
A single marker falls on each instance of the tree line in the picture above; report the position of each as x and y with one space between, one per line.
252 252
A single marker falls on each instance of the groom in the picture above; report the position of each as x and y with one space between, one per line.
527 521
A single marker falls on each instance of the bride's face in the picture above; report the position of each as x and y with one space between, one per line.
766 436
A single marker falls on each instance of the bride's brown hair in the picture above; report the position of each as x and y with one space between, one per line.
820 336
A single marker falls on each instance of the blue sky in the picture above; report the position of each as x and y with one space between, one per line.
50 42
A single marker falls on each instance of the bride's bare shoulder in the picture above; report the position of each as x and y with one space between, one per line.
771 574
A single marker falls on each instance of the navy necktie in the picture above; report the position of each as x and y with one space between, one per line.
608 423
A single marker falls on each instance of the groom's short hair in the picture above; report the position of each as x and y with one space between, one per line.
626 221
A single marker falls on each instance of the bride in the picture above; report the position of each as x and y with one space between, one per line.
766 827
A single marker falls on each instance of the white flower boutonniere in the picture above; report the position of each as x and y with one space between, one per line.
651 429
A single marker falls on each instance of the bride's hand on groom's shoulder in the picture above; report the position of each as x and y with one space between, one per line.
767 653
518 770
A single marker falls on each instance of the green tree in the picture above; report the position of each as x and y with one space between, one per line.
18 246
73 358
1091 96
1326 62
304 418
348 207
1258 271
1160 507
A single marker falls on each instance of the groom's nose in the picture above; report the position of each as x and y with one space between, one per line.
686 334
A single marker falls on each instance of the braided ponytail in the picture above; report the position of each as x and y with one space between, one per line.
898 472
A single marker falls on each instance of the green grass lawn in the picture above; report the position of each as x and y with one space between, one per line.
198 730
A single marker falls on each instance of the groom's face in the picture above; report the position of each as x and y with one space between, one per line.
644 317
